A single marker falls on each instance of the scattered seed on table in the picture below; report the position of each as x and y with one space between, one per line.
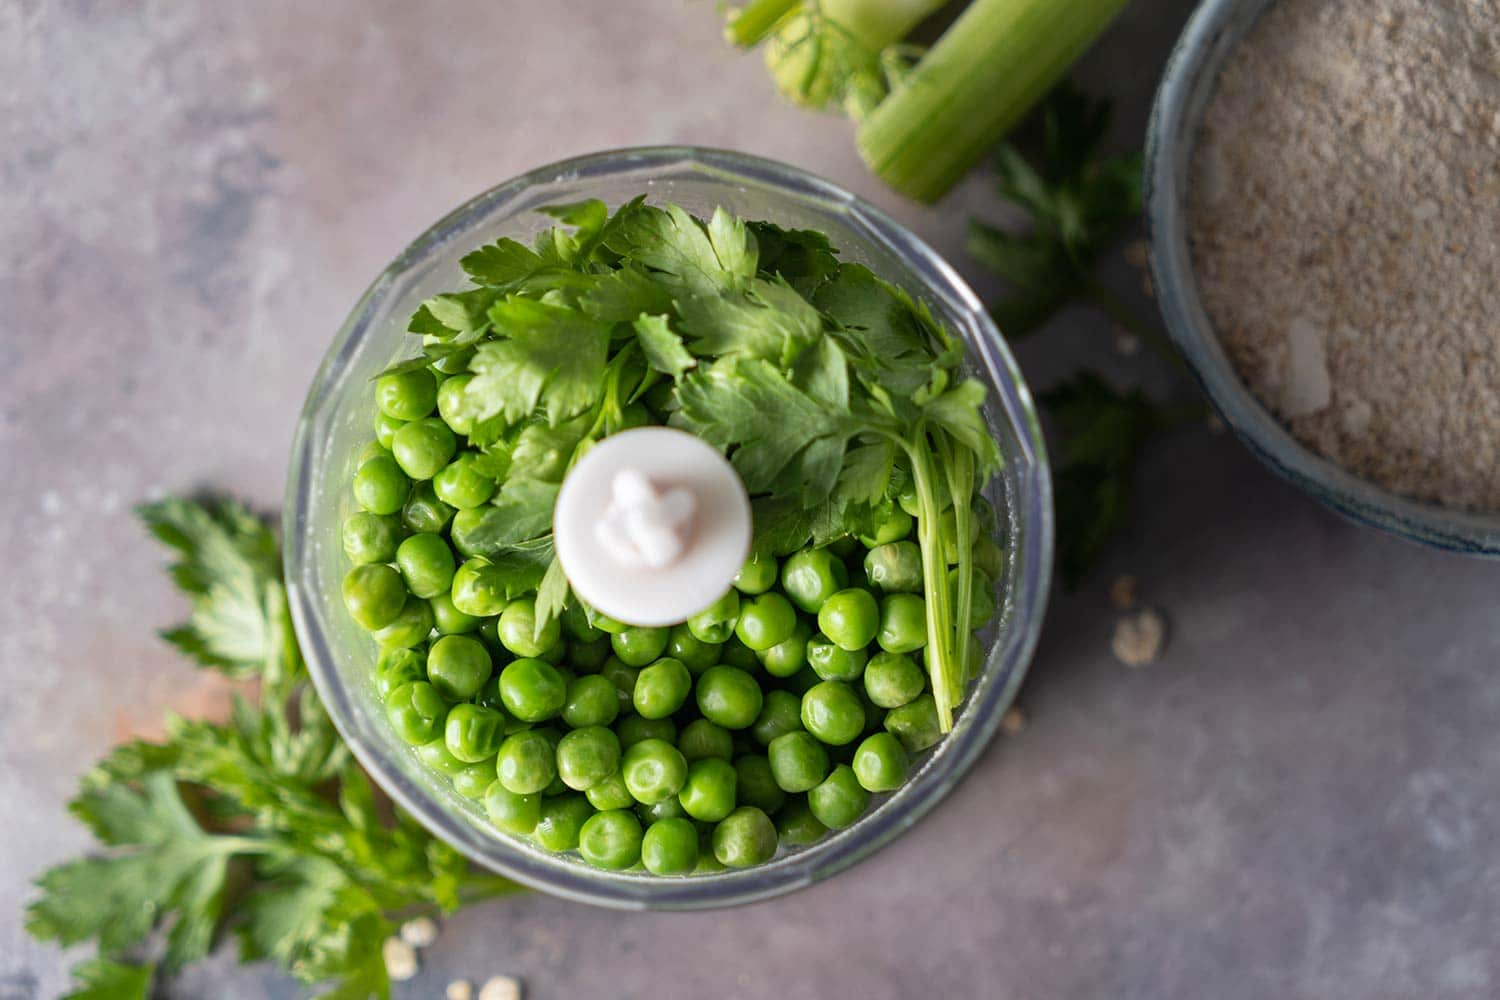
419 932
1013 722
500 988
1139 638
1124 592
400 959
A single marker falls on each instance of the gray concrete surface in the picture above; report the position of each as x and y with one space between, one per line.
1297 801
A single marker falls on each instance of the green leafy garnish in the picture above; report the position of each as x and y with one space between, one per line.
100 979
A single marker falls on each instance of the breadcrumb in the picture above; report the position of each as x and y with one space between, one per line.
400 959
500 988
419 932
1139 638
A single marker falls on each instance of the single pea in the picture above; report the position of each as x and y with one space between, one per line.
474 780
423 511
895 568
638 646
757 576
408 628
798 761
716 622
510 812
839 799
473 733
370 538
526 762
416 712
661 688
708 794
693 652
610 793
982 598
903 623
532 690
702 739
623 676
889 524
452 406
880 763
611 839
912 503
668 808
831 711
654 769
989 558
796 826
811 576
736 654
372 449
780 713
948 531
790 654
591 701
765 620
587 657
460 485
670 847
406 395
850 618
374 595
397 667
448 620
436 756
832 662
380 486
756 784
560 822
518 631
386 427
633 729
745 837
729 697
893 679
915 724
576 624
479 588
458 666
587 756
423 447
426 564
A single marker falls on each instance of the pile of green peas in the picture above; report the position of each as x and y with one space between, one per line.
772 717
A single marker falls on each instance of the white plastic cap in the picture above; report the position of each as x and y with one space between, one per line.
651 526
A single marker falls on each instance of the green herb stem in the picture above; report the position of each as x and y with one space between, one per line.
985 73
754 21
959 463
940 666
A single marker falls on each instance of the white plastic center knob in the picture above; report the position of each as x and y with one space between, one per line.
651 526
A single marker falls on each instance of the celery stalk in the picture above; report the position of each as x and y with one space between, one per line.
981 77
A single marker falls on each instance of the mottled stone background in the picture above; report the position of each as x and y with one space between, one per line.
1299 800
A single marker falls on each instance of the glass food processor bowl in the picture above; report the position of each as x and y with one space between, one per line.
335 424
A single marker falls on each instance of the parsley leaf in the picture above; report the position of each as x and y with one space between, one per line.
662 348
101 979
550 356
687 254
501 263
766 320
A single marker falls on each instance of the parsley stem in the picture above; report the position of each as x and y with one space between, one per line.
959 463
934 578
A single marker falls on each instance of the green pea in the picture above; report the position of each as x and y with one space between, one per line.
588 657
880 763
708 794
436 756
798 761
765 620
555 654
374 595
610 793
702 739
654 770
452 406
587 756
982 593
406 395
839 800
989 558
736 654
638 646
611 839
408 628
416 711
780 713
380 486
591 701
756 785
889 524
668 808
811 576
623 676
385 429
796 825
458 666
576 625
915 724
423 447
561 820
831 711
757 576
532 690
691 651
670 847
397 667
424 512
729 697
474 780
832 662
472 733
716 622
426 564
895 568
746 837
526 762
510 812
448 620
462 486
661 688
948 531
789 655
893 679
519 632
633 729
851 618
479 588
903 623
606 624
370 538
